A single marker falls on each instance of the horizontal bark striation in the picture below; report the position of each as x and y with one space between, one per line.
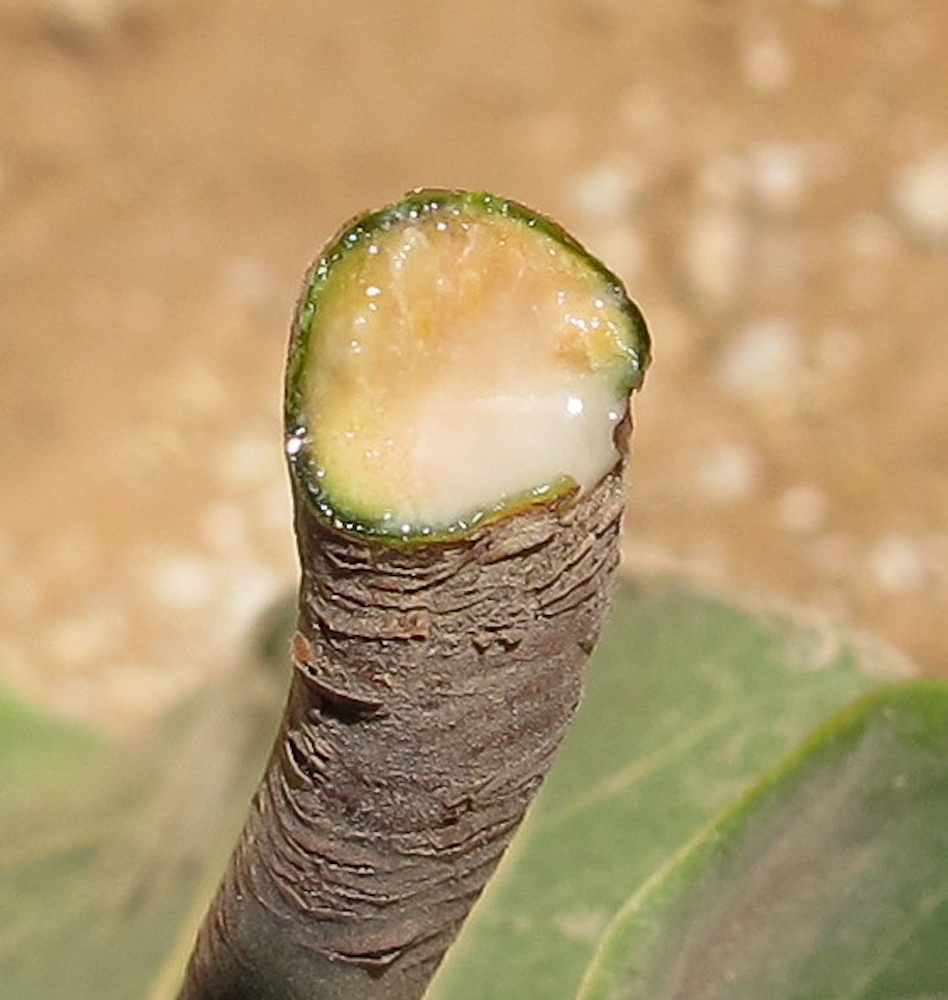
431 688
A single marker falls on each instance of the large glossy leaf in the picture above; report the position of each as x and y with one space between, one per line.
108 854
690 700
829 880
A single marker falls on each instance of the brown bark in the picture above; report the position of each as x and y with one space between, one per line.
432 685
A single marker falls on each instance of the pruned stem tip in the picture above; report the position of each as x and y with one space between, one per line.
443 628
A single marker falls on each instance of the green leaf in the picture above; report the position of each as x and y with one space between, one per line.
109 853
690 701
829 880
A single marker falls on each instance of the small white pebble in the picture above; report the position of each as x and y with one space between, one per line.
728 472
778 176
898 565
714 253
606 191
252 586
763 360
86 20
920 197
802 509
249 459
182 581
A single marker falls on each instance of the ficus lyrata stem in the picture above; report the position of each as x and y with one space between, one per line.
443 626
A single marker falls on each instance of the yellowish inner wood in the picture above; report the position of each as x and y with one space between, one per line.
457 362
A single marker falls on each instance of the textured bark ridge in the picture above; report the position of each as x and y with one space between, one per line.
432 685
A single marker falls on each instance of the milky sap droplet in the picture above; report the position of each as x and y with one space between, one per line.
294 443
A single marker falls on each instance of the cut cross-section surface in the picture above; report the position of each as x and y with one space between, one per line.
456 357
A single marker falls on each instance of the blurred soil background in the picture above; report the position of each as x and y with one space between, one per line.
769 177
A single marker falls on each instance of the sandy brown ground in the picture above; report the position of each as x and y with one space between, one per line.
771 178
